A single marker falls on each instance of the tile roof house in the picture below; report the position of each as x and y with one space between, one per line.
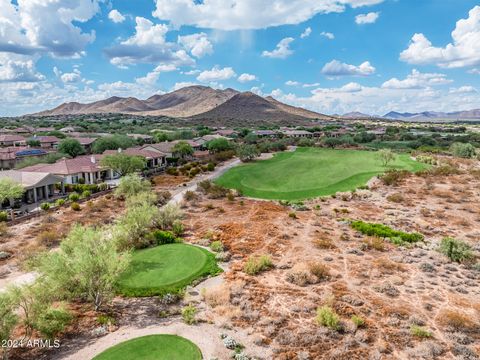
86 142
164 148
38 185
12 140
82 167
155 159
297 133
12 155
47 142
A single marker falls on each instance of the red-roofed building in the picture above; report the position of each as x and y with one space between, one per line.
47 142
155 159
12 140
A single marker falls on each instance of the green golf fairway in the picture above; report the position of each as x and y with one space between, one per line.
153 347
166 269
310 172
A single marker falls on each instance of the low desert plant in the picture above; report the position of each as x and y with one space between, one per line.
189 313
394 177
161 237
324 243
178 228
45 206
456 320
59 202
75 206
3 216
318 269
52 321
292 215
256 264
455 250
47 238
216 246
373 242
384 231
327 317
420 332
396 198
74 197
357 320
86 194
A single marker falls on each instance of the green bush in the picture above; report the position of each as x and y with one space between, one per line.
188 314
357 320
45 206
455 250
383 231
74 197
59 202
463 150
394 177
216 246
75 206
161 237
3 216
52 321
256 264
86 194
326 316
419 331
178 228
211 166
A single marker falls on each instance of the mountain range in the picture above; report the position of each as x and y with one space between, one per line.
199 104
434 115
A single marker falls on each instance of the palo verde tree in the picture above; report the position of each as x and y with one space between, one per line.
10 189
182 149
217 145
131 185
247 152
124 164
71 147
386 156
8 320
85 267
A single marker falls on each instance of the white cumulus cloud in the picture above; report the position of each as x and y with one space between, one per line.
197 44
243 78
248 14
116 16
306 33
463 51
328 35
417 80
216 74
369 18
282 49
336 68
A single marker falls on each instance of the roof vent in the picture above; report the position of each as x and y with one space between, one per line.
92 159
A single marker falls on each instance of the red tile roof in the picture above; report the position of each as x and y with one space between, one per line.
136 152
64 166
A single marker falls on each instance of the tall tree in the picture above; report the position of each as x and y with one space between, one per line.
217 145
124 164
10 189
182 149
71 147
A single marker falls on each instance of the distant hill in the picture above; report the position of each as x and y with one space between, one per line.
434 115
356 115
248 108
198 103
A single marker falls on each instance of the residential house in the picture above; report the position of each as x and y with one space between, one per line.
86 142
227 133
297 134
12 140
147 139
11 156
38 185
266 133
167 147
47 142
84 167
155 159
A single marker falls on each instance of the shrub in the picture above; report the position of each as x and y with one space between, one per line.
373 242
75 206
168 215
216 246
47 238
357 320
324 243
394 177
3 216
326 316
106 320
211 166
419 331
45 206
178 228
292 215
74 197
455 250
188 314
463 150
130 185
213 191
455 320
396 198
380 230
230 196
256 264
161 237
59 202
86 194
318 269
52 321
190 195
3 229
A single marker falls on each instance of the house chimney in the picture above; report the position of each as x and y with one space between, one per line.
92 159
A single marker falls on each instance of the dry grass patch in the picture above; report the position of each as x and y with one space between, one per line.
216 296
373 242
456 320
324 243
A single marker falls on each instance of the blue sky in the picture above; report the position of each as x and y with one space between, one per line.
332 56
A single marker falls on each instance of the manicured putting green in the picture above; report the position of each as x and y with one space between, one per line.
153 347
310 172
166 269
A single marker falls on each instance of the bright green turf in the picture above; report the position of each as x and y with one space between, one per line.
166 269
310 172
153 347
